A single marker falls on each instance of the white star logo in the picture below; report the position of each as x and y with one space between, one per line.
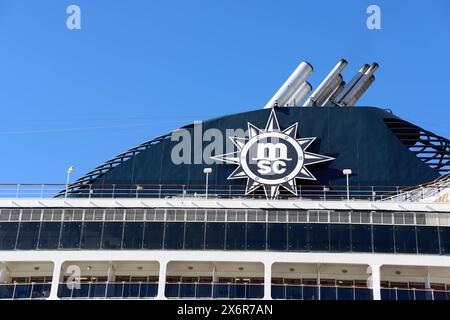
272 158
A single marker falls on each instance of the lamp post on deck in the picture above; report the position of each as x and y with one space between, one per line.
207 171
347 172
69 171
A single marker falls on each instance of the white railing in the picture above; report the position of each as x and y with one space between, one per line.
422 193
304 192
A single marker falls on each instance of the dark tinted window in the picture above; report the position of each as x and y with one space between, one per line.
297 235
8 235
405 239
70 235
427 240
49 235
112 235
215 235
235 236
153 235
92 235
174 235
340 237
319 237
361 238
444 234
194 237
133 235
276 236
383 238
28 235
256 236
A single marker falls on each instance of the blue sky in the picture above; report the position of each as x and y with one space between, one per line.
138 69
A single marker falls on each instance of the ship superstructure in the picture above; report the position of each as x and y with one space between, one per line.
320 201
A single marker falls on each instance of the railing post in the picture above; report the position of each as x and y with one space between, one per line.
90 190
42 191
159 195
17 190
113 190
14 291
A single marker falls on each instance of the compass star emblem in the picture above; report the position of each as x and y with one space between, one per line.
272 158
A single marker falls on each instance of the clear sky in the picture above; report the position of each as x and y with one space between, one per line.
141 68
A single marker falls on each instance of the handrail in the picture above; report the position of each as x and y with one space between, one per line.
218 191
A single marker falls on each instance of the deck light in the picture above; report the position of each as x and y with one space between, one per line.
69 172
347 172
207 171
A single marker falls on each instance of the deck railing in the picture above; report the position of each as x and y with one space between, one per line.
108 290
214 291
142 191
413 294
25 291
322 292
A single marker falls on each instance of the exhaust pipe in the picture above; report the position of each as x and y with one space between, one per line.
283 94
324 85
329 91
340 95
330 101
359 92
299 95
360 87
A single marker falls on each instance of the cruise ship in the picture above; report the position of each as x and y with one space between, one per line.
311 197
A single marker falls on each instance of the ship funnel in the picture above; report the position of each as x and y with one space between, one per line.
360 87
299 95
341 94
297 78
325 84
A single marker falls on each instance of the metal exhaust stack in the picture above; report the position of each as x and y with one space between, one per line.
325 84
290 86
330 101
359 92
340 95
335 83
296 99
360 87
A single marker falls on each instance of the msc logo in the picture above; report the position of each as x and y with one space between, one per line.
272 158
